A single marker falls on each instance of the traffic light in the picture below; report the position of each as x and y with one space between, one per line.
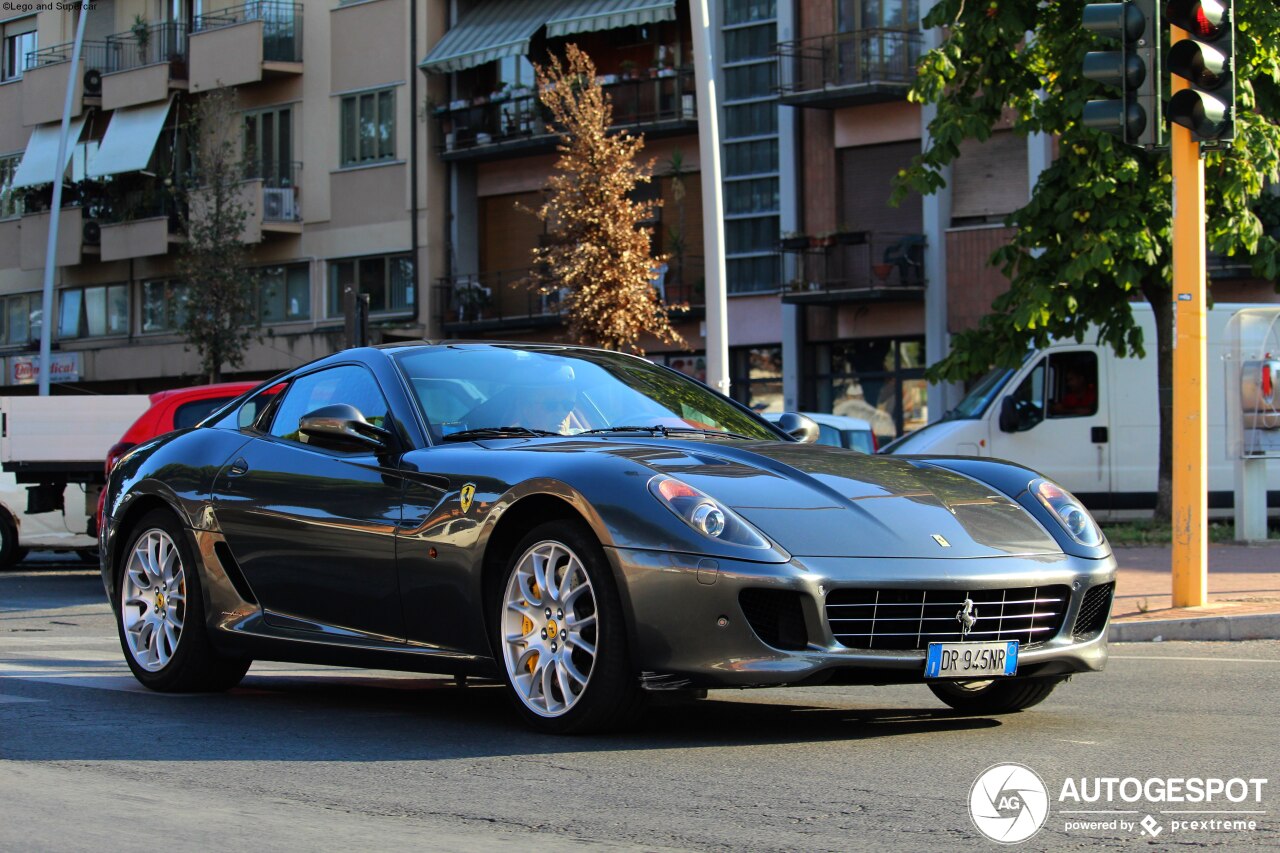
1206 60
1134 69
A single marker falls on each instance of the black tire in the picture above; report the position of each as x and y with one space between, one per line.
87 555
10 553
997 696
194 666
612 698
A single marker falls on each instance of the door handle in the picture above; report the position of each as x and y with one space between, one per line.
1098 435
238 468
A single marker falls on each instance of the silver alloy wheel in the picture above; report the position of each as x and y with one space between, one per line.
549 630
153 600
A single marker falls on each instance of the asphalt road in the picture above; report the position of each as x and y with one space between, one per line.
327 759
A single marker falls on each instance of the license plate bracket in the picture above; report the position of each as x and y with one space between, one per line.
972 660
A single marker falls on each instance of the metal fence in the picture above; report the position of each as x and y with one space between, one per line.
281 31
848 59
148 45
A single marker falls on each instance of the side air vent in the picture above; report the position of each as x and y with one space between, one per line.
1094 611
232 568
776 616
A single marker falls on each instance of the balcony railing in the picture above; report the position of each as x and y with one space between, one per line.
517 118
864 66
114 205
503 299
281 31
279 188
162 42
855 264
96 55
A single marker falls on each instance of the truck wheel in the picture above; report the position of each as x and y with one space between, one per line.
159 608
10 553
994 696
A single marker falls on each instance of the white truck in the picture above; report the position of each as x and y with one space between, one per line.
1089 420
52 452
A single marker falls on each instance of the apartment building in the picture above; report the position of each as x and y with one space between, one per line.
330 102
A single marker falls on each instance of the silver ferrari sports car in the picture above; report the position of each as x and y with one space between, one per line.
590 529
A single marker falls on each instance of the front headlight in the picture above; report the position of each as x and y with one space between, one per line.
704 513
1071 514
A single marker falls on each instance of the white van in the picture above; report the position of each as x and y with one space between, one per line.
1088 419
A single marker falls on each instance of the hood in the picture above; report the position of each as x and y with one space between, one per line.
820 501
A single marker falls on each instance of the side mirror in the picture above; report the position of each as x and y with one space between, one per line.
799 427
342 427
1008 415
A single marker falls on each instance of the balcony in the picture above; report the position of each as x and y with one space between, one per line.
246 44
35 238
858 266
515 122
848 69
145 64
44 83
138 222
276 190
501 301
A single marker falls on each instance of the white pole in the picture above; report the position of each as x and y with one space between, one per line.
51 248
717 337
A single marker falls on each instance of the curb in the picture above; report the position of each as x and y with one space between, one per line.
1258 626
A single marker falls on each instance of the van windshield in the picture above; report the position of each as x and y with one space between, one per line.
975 403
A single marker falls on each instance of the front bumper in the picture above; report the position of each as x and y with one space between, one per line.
688 628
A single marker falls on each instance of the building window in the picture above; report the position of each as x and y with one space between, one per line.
164 306
387 279
284 293
880 380
19 41
368 127
756 377
94 312
10 199
20 319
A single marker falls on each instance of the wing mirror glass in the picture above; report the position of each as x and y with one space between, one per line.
342 427
1008 415
801 428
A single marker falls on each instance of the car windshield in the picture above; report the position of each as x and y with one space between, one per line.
975 403
484 390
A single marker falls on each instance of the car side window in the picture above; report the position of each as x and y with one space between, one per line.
348 383
1073 384
189 414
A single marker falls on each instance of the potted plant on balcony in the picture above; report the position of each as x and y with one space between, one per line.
823 240
142 36
471 299
668 64
628 67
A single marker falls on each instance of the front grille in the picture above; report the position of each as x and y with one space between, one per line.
1094 611
776 616
903 619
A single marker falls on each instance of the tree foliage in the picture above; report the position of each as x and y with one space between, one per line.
598 253
213 262
1096 233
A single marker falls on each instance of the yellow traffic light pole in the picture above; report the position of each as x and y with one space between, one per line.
1190 430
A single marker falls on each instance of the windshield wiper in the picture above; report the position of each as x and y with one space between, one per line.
666 431
497 432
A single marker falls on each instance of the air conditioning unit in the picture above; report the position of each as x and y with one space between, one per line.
90 233
93 82
278 204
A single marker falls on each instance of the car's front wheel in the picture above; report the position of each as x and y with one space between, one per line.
159 608
561 634
994 696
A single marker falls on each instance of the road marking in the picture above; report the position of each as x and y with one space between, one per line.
1207 660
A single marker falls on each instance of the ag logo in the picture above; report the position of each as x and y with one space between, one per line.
1008 803
468 492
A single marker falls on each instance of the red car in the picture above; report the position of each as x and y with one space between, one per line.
178 408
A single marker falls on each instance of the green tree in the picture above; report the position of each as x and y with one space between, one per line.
213 262
1096 233
598 252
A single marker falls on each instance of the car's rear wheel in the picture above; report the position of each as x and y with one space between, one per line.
160 613
560 630
994 696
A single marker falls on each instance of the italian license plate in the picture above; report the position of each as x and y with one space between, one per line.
971 660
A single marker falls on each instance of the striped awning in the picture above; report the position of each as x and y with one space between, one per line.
39 164
490 31
499 28
584 16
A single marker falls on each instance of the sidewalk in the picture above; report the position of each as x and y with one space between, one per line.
1244 596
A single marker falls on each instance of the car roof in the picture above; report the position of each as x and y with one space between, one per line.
201 392
836 421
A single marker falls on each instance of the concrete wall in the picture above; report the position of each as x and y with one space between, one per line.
138 239
227 56
35 238
135 86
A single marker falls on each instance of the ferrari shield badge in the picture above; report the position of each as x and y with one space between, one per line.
468 492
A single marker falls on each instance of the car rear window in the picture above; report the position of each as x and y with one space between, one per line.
190 414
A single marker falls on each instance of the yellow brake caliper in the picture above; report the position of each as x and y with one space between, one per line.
526 628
